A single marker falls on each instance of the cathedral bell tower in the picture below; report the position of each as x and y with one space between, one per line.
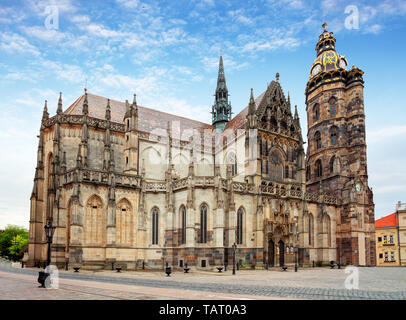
221 110
336 161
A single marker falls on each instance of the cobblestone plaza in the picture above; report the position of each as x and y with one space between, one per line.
310 283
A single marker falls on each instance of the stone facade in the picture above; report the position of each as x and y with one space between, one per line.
336 151
133 186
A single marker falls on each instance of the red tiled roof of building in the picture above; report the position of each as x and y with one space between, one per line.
149 119
387 221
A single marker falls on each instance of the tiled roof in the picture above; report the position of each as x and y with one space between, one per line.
149 119
387 221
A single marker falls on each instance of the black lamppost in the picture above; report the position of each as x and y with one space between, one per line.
49 232
234 248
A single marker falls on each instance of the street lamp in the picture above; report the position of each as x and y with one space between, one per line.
234 248
49 232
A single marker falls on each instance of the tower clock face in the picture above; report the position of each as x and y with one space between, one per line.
316 70
330 60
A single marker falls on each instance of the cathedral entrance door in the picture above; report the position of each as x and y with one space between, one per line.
271 253
281 253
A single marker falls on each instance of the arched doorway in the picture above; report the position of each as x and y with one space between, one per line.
281 253
271 253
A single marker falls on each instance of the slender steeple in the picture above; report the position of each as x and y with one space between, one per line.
251 116
59 110
45 114
108 110
85 109
221 110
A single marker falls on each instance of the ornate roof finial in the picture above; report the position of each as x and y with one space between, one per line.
59 110
135 100
85 108
45 114
108 110
277 76
324 26
251 106
296 113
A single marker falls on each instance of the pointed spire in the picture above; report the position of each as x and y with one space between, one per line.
127 110
221 78
59 110
221 110
169 143
45 114
85 109
135 100
277 77
289 99
296 113
108 110
251 106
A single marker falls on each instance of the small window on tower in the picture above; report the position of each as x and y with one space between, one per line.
316 112
332 104
126 160
317 139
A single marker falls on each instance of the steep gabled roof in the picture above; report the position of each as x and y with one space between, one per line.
387 221
274 90
149 119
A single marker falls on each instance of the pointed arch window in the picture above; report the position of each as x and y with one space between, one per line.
276 167
317 139
240 225
318 169
183 224
332 104
203 224
316 112
155 216
333 135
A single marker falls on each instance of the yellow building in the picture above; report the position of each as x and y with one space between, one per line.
401 219
387 248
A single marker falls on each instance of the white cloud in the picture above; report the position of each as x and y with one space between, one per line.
375 29
14 43
44 34
384 134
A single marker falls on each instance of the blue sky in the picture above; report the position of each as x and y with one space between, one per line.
167 52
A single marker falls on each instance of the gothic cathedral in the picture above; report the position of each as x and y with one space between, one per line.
137 187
